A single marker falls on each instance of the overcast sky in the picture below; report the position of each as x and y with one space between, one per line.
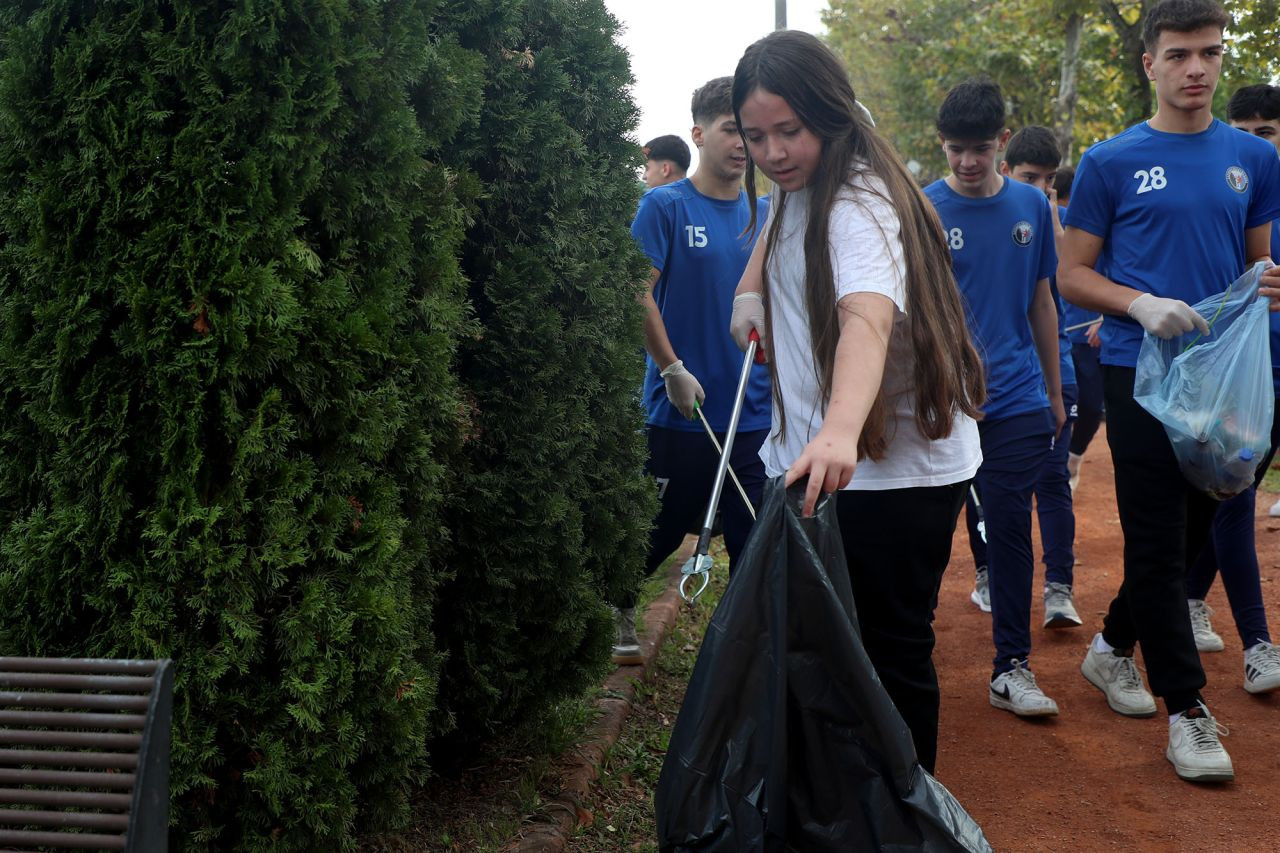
677 45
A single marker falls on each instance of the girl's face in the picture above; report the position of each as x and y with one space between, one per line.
781 145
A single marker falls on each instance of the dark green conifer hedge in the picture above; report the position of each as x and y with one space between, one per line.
230 295
251 418
552 513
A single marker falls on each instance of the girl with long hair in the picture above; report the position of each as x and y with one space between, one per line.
876 384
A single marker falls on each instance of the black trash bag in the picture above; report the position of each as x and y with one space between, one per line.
786 739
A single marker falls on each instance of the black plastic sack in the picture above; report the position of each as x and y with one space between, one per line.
786 739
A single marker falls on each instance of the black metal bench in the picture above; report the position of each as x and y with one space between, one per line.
84 753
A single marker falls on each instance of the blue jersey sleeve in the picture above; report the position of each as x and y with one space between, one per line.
1048 265
1265 204
652 228
1092 207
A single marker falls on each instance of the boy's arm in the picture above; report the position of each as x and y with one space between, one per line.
683 389
1043 317
1081 285
1257 247
866 322
656 342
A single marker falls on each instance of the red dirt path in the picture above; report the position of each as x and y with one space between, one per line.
1091 780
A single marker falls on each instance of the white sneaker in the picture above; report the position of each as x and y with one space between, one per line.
1274 512
626 647
1118 678
1060 607
1194 749
1262 668
981 594
1017 691
1202 628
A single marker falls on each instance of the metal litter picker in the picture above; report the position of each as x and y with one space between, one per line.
700 562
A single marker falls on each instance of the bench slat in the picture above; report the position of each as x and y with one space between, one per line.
124 667
59 758
82 799
102 702
63 840
73 720
99 740
68 681
69 778
78 820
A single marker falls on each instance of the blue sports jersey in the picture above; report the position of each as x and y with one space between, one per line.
1172 209
1001 247
698 245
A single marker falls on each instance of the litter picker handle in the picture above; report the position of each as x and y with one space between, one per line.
754 338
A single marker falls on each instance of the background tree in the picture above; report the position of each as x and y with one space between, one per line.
1072 65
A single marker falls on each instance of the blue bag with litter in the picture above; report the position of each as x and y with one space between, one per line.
1213 392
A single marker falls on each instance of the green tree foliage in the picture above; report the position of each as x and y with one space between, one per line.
904 55
230 302
552 510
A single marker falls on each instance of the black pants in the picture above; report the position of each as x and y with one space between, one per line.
683 464
1089 399
1164 519
897 544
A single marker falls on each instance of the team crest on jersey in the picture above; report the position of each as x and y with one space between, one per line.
1237 179
1022 233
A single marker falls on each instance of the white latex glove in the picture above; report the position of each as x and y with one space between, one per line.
748 314
683 388
1166 318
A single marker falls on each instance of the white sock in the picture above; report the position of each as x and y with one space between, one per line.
1173 718
1101 646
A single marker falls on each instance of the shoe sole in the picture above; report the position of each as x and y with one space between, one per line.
985 608
1005 705
1210 647
627 658
1193 775
1088 676
1257 690
1062 620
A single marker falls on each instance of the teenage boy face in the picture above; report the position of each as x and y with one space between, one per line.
1185 67
1040 177
658 172
1267 128
973 161
781 145
720 148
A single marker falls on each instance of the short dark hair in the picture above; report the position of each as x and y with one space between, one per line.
1181 16
1257 101
668 147
1035 145
1062 182
712 100
972 110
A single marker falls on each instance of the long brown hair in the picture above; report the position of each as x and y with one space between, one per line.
948 372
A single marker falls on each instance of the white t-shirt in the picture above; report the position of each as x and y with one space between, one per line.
866 256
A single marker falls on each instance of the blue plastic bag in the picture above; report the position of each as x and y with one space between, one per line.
1213 393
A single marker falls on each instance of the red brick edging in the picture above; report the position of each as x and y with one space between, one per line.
581 764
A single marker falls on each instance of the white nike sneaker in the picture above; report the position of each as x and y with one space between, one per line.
1118 678
1201 628
1194 748
1017 691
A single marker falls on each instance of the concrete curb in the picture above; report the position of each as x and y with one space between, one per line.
580 766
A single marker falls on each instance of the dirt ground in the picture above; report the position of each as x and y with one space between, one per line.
1091 780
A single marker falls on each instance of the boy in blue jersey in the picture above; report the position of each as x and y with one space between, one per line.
1033 157
1001 237
666 160
1176 208
693 231
1233 550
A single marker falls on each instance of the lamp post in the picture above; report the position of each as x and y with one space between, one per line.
779 14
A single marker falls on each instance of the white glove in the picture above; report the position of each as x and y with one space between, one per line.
748 314
683 388
1166 318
